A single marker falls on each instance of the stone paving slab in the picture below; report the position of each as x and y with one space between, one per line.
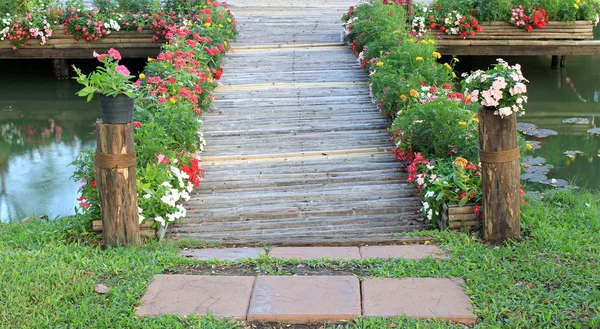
414 251
223 253
293 299
417 298
315 252
224 296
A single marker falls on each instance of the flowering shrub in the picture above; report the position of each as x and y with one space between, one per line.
452 23
38 19
173 90
111 79
536 19
433 125
502 86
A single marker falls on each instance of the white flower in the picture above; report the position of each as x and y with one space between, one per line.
147 196
160 220
141 218
425 205
429 194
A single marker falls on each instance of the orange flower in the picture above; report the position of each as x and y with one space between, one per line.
414 93
461 162
403 98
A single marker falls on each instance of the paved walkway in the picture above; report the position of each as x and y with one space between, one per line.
296 152
309 299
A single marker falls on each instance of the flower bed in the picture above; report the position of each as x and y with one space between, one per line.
172 92
433 121
503 19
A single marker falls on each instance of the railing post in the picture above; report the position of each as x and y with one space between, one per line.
500 170
115 176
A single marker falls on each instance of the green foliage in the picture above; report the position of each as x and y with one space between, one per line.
438 128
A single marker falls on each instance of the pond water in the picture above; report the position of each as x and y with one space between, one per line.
43 127
557 95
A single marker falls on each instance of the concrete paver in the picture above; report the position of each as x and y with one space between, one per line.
414 251
293 299
223 253
420 298
315 252
224 296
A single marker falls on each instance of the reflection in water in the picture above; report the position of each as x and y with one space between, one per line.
43 127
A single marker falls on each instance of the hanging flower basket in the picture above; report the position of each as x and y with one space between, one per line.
459 218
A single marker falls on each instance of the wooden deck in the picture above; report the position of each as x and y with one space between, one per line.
296 152
503 39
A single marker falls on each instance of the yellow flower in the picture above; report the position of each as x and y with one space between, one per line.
453 75
437 55
419 58
225 43
578 1
461 162
425 42
476 120
455 59
529 146
414 93
411 40
403 98
379 64
462 123
446 65
150 59
190 24
432 42
228 20
142 75
173 100
576 6
209 80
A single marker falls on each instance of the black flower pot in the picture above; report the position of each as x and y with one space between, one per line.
115 110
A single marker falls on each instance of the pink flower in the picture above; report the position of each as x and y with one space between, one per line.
85 204
115 54
100 57
122 69
162 158
137 124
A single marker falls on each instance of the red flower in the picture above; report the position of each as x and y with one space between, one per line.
85 204
471 166
137 124
462 195
93 184
446 86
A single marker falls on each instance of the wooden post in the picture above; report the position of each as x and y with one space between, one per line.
115 176
563 61
500 169
554 63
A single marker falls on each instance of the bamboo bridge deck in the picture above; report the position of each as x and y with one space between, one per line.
296 152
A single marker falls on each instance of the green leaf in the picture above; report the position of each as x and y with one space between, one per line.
463 201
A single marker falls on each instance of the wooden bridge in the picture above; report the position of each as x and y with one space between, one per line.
296 152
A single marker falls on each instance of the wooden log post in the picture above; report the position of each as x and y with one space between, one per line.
115 176
554 63
500 169
563 61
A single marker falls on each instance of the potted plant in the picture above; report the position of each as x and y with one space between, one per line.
111 83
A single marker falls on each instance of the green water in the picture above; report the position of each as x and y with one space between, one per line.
43 127
556 95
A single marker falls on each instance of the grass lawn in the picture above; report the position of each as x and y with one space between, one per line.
550 279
